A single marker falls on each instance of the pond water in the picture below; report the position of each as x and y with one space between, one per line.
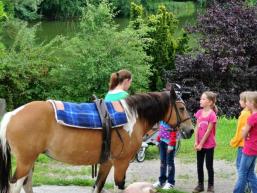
47 30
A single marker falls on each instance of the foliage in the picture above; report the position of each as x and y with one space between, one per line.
122 7
61 9
252 2
26 9
3 14
136 11
8 7
70 69
180 9
228 64
165 44
24 65
99 49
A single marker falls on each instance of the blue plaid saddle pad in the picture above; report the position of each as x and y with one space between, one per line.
85 115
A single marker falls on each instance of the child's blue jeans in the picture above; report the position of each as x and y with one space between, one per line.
167 169
238 158
246 174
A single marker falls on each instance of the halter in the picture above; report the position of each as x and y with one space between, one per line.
179 121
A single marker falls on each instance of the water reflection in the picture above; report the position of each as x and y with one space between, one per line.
47 30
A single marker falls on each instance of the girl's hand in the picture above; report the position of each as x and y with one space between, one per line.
170 148
199 147
195 146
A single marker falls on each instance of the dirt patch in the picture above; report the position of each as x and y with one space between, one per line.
186 177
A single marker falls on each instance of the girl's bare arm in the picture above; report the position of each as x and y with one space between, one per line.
245 131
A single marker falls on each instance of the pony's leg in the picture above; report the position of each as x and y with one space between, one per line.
101 176
120 168
15 187
21 173
27 186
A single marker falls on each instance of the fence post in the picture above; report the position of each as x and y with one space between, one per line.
2 107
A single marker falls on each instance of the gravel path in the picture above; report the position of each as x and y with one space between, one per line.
186 177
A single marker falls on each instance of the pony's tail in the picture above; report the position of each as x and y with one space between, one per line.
5 170
5 156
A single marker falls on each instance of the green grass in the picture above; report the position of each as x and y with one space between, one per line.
226 129
50 172
169 191
224 133
180 9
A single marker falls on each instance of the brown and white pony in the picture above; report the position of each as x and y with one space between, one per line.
32 129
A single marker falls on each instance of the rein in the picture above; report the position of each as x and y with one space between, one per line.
179 121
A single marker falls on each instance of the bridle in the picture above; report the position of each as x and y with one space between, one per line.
179 121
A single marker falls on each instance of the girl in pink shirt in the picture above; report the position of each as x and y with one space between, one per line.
205 139
246 171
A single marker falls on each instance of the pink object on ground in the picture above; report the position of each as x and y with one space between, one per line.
140 187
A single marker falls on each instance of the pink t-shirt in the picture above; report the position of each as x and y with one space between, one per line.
203 123
250 146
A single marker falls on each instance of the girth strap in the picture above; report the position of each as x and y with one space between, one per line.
106 125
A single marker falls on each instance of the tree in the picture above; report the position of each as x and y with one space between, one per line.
94 53
24 64
26 9
164 45
69 69
228 64
3 14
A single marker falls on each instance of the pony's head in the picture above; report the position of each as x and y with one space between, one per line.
156 106
178 117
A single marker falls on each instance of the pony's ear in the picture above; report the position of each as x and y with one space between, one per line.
173 95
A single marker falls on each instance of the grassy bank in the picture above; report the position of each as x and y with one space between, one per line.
225 131
169 191
180 9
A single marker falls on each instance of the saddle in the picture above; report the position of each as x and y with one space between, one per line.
99 115
106 125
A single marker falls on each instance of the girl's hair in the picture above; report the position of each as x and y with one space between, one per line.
119 77
212 96
252 97
243 95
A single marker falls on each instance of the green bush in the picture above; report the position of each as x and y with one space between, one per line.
93 54
27 9
3 14
69 69
165 43
24 65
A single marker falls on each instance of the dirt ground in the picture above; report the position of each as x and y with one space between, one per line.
186 177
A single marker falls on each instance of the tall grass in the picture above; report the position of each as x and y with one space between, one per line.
180 9
225 131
